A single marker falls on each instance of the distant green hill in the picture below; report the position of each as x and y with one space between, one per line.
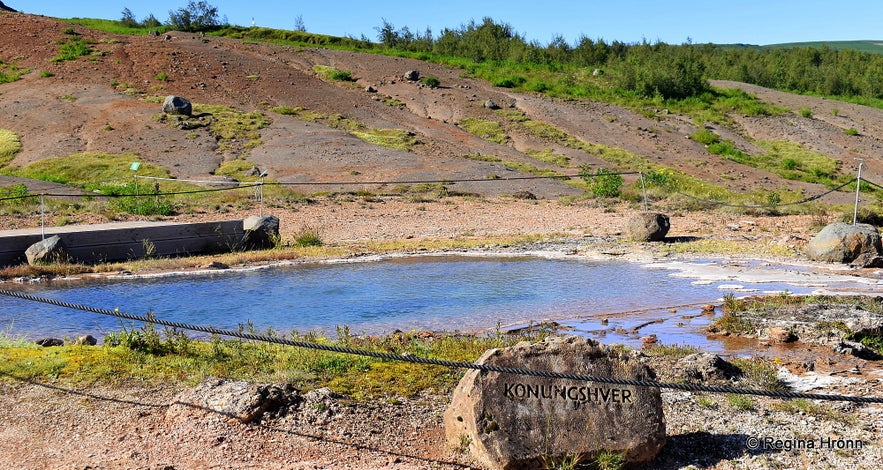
875 47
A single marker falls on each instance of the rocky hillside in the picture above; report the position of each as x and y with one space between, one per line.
107 102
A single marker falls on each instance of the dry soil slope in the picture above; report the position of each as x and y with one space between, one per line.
71 111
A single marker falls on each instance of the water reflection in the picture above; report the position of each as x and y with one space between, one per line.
438 293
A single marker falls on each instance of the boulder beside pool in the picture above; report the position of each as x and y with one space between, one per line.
510 421
841 242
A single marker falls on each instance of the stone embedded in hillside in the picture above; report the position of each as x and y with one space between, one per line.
412 75
260 232
842 243
47 251
703 367
177 105
648 227
229 399
516 421
491 104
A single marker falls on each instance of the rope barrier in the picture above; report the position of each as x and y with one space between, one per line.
253 184
445 363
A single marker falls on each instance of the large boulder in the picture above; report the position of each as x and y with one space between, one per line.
412 75
843 243
231 399
47 251
177 105
648 227
260 232
509 421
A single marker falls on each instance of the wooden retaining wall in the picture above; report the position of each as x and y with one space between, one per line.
126 240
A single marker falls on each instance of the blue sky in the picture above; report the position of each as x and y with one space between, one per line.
672 21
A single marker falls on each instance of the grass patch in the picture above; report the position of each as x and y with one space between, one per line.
760 373
73 48
548 155
391 138
332 74
89 170
10 144
491 131
10 73
232 128
150 354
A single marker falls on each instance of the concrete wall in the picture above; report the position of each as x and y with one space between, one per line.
127 240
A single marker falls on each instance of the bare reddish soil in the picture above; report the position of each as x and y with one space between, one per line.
69 112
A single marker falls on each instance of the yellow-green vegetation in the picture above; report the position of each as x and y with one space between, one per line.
10 144
807 407
392 138
10 72
491 131
793 161
705 246
740 402
150 354
548 155
230 125
333 74
237 169
89 169
659 179
671 351
759 372
517 166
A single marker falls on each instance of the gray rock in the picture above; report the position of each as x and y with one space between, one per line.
490 104
648 227
412 75
47 342
87 340
47 251
177 105
702 367
842 243
515 421
239 400
260 232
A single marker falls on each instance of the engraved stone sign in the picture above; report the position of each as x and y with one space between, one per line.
511 421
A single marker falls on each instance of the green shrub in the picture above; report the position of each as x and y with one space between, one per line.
705 137
510 82
806 112
431 82
73 49
604 183
308 237
851 131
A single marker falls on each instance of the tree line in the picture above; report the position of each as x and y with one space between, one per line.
651 70
196 16
657 69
